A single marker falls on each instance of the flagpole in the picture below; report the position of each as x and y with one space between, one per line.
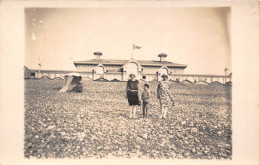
134 47
39 67
225 75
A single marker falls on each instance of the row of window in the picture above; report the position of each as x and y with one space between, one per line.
33 75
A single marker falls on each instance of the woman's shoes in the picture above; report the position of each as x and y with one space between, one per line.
162 117
132 117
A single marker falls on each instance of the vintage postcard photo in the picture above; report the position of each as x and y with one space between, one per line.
91 91
129 82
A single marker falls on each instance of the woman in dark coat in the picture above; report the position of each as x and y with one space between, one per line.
132 95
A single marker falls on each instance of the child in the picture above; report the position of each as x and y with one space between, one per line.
146 99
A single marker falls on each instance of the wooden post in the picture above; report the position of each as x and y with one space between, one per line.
225 75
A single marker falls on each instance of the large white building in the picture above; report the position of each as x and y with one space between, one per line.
109 69
119 70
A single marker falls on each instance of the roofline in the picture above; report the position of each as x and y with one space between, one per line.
117 64
169 66
46 70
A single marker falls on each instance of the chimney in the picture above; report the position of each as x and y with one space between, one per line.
162 57
98 54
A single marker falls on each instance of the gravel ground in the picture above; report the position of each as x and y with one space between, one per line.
95 123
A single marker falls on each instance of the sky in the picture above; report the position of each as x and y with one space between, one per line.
197 37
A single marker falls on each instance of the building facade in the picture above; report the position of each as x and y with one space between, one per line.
34 73
146 70
109 69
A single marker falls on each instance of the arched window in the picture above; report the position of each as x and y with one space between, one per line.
100 70
164 71
132 68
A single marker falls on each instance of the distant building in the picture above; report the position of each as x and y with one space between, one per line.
109 69
34 73
119 70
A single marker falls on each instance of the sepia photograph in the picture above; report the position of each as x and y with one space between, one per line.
132 82
91 91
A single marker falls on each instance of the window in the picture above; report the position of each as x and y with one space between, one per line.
132 68
144 77
100 70
164 71
32 74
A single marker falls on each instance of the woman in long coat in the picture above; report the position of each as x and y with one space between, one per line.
164 95
132 95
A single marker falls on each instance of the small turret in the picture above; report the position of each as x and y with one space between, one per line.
162 57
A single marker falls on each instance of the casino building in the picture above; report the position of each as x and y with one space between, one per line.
119 70
109 69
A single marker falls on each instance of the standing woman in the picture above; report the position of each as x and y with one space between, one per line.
132 95
164 95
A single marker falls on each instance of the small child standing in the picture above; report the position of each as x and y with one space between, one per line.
146 99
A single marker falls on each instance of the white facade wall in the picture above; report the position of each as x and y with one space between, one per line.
145 69
150 70
85 68
176 70
90 68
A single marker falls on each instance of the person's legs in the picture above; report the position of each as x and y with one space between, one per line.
162 111
144 107
134 111
165 112
146 110
131 112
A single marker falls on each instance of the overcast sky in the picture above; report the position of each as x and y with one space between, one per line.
198 37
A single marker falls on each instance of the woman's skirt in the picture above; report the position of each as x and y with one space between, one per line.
133 97
166 99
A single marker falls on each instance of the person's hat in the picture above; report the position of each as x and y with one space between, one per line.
164 75
131 75
147 85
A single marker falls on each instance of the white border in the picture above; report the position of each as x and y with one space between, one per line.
245 67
